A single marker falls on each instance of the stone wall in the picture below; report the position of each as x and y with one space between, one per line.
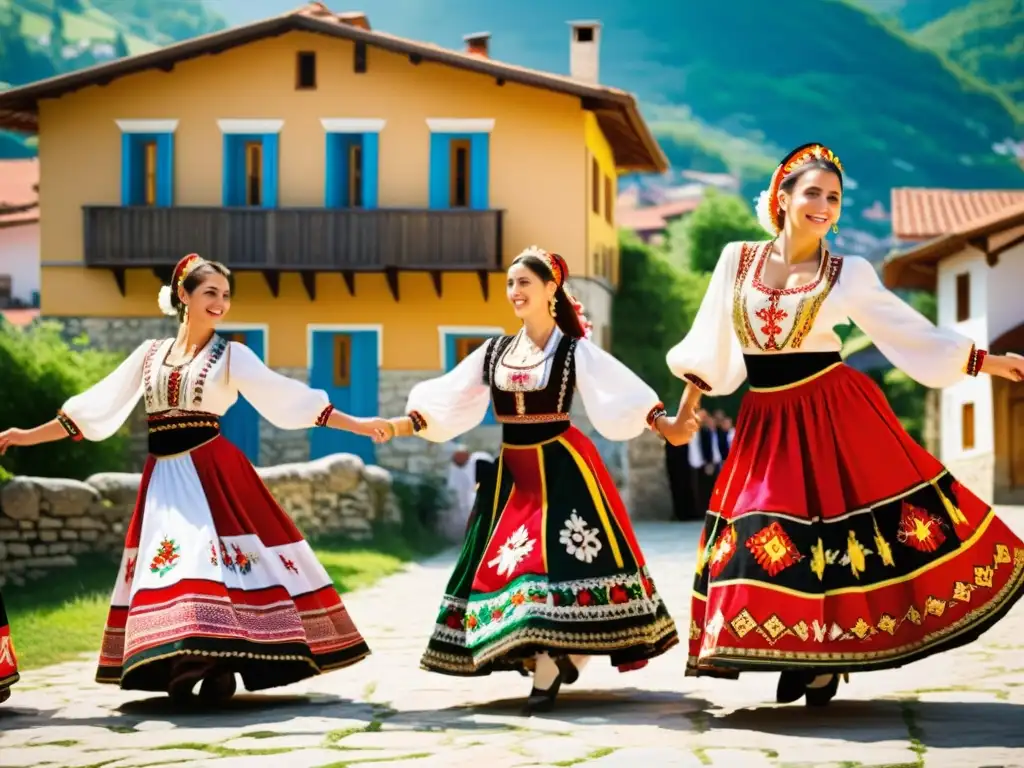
45 522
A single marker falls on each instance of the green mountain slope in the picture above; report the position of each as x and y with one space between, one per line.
43 38
986 38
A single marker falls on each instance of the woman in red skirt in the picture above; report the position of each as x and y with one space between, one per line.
550 572
8 661
833 543
215 579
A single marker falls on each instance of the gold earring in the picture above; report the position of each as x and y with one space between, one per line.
835 228
551 305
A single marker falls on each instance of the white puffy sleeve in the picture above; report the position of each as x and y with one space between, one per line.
935 357
284 402
449 405
710 356
98 412
619 403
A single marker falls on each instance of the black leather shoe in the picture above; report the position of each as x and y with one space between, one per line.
792 685
218 687
543 701
821 697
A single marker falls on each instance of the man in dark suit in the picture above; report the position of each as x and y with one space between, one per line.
677 465
723 433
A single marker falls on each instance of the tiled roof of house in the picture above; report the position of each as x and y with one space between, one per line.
19 192
653 218
921 214
633 145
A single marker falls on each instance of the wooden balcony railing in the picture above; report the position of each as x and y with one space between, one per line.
295 239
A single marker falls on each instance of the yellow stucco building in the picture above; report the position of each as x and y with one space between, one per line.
368 191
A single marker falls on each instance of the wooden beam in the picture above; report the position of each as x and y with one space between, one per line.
391 274
589 104
485 285
309 283
119 278
350 281
995 253
415 58
166 67
500 81
273 278
436 277
164 274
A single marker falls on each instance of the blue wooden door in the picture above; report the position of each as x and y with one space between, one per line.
346 367
241 424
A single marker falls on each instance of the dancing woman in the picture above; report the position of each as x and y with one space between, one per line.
833 543
215 579
550 572
8 661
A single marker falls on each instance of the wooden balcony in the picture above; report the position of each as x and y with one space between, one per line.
303 240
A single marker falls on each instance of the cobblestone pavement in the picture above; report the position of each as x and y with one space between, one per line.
962 709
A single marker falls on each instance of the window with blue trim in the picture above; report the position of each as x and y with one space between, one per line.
460 170
351 175
147 169
250 170
457 348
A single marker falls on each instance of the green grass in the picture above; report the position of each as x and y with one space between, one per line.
90 24
62 615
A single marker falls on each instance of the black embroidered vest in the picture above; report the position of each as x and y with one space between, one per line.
533 416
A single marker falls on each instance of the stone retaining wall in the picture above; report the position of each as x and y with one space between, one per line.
45 522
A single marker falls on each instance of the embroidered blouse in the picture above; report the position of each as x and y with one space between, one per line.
740 315
618 403
209 383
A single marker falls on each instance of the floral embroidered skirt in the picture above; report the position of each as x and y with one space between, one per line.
213 568
550 563
835 542
8 660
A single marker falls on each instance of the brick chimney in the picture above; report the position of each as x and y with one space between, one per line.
584 47
355 19
478 44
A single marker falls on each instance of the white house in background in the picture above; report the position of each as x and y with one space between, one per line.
968 247
19 233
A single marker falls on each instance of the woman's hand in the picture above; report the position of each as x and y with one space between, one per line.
379 430
13 436
1005 366
677 429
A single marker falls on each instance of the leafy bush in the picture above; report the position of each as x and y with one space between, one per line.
40 371
696 241
421 499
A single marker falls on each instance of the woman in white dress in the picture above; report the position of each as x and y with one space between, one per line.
834 542
550 572
215 579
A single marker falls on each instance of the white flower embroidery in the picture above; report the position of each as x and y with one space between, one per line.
579 539
513 551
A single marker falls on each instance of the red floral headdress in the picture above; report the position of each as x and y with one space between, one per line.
182 269
768 202
560 271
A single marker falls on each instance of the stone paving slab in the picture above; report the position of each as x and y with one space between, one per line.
963 709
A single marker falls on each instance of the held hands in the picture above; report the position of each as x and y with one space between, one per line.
678 430
1008 366
379 430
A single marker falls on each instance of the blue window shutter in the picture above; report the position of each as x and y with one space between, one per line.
165 170
270 169
127 169
479 171
332 188
229 171
439 170
371 144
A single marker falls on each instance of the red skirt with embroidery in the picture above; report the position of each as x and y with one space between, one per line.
835 542
214 569
8 661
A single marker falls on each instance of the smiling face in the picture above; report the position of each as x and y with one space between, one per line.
210 301
527 292
814 202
